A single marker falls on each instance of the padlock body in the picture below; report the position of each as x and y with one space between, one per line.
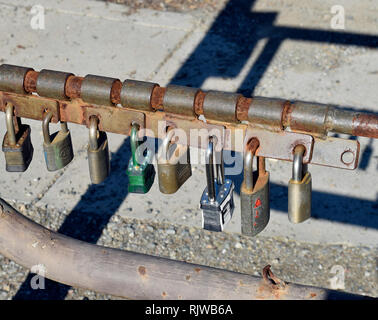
19 156
173 173
141 177
98 160
255 207
59 152
299 199
216 214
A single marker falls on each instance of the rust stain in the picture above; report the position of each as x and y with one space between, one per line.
157 98
312 295
271 280
164 294
365 125
198 270
266 292
73 111
73 87
30 81
198 102
115 93
252 145
142 271
242 107
286 113
187 277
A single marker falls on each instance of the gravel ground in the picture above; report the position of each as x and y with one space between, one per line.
292 261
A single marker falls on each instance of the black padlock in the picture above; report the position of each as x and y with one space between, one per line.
254 193
17 146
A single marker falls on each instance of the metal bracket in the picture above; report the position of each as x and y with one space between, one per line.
336 152
279 145
30 106
329 152
112 119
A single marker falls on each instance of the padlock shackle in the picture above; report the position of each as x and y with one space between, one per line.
134 142
210 170
219 162
10 125
299 168
93 127
220 168
64 126
45 127
248 170
249 153
166 143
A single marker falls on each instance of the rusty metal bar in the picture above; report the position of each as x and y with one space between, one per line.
129 274
219 108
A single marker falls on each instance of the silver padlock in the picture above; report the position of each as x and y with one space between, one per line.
98 152
217 202
254 193
299 190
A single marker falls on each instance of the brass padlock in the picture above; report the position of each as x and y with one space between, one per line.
98 152
57 148
17 146
254 193
173 167
299 191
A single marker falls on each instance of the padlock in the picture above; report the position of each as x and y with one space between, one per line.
98 152
57 147
140 170
254 193
17 146
217 201
173 171
299 191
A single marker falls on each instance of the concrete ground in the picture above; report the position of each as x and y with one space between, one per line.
285 50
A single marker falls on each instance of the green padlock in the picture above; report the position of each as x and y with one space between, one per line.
141 174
